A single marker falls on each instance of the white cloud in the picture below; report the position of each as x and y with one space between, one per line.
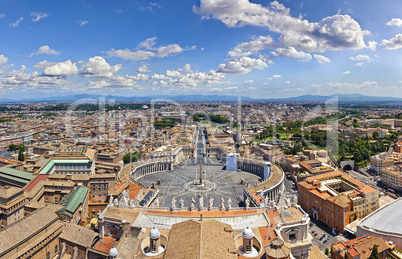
3 59
149 52
37 16
19 79
394 43
62 69
147 44
160 77
292 53
116 82
173 73
249 81
186 68
44 64
151 7
397 22
45 49
190 79
331 33
321 59
362 59
372 45
16 23
252 47
242 65
276 76
97 67
83 23
2 15
346 72
142 69
287 82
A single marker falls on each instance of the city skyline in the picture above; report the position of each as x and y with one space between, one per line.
261 49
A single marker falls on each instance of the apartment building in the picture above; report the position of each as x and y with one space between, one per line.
392 177
336 199
12 201
380 161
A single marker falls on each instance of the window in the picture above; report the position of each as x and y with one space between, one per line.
56 248
292 237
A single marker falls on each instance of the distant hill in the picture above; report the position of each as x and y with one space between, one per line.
342 98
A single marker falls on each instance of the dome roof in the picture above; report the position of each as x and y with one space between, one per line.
113 252
154 233
248 233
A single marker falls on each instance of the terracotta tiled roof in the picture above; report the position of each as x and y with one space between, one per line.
17 232
200 239
9 191
315 253
78 235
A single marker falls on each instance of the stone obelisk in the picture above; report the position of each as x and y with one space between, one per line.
200 173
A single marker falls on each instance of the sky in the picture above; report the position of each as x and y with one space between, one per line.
260 49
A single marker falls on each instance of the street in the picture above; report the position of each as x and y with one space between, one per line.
321 228
373 181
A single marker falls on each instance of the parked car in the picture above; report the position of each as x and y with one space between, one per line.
325 241
311 224
328 237
315 234
313 231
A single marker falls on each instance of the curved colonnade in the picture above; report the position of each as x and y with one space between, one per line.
270 188
150 167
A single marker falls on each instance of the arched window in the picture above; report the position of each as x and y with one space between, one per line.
48 255
56 248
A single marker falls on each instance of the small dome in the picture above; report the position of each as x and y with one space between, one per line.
248 233
113 252
154 233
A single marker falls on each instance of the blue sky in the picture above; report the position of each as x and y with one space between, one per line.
232 47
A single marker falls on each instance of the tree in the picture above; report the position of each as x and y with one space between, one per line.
374 253
132 157
327 251
375 134
21 154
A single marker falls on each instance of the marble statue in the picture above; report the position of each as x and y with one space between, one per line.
201 202
181 202
156 203
247 203
211 203
229 204
173 203
222 204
